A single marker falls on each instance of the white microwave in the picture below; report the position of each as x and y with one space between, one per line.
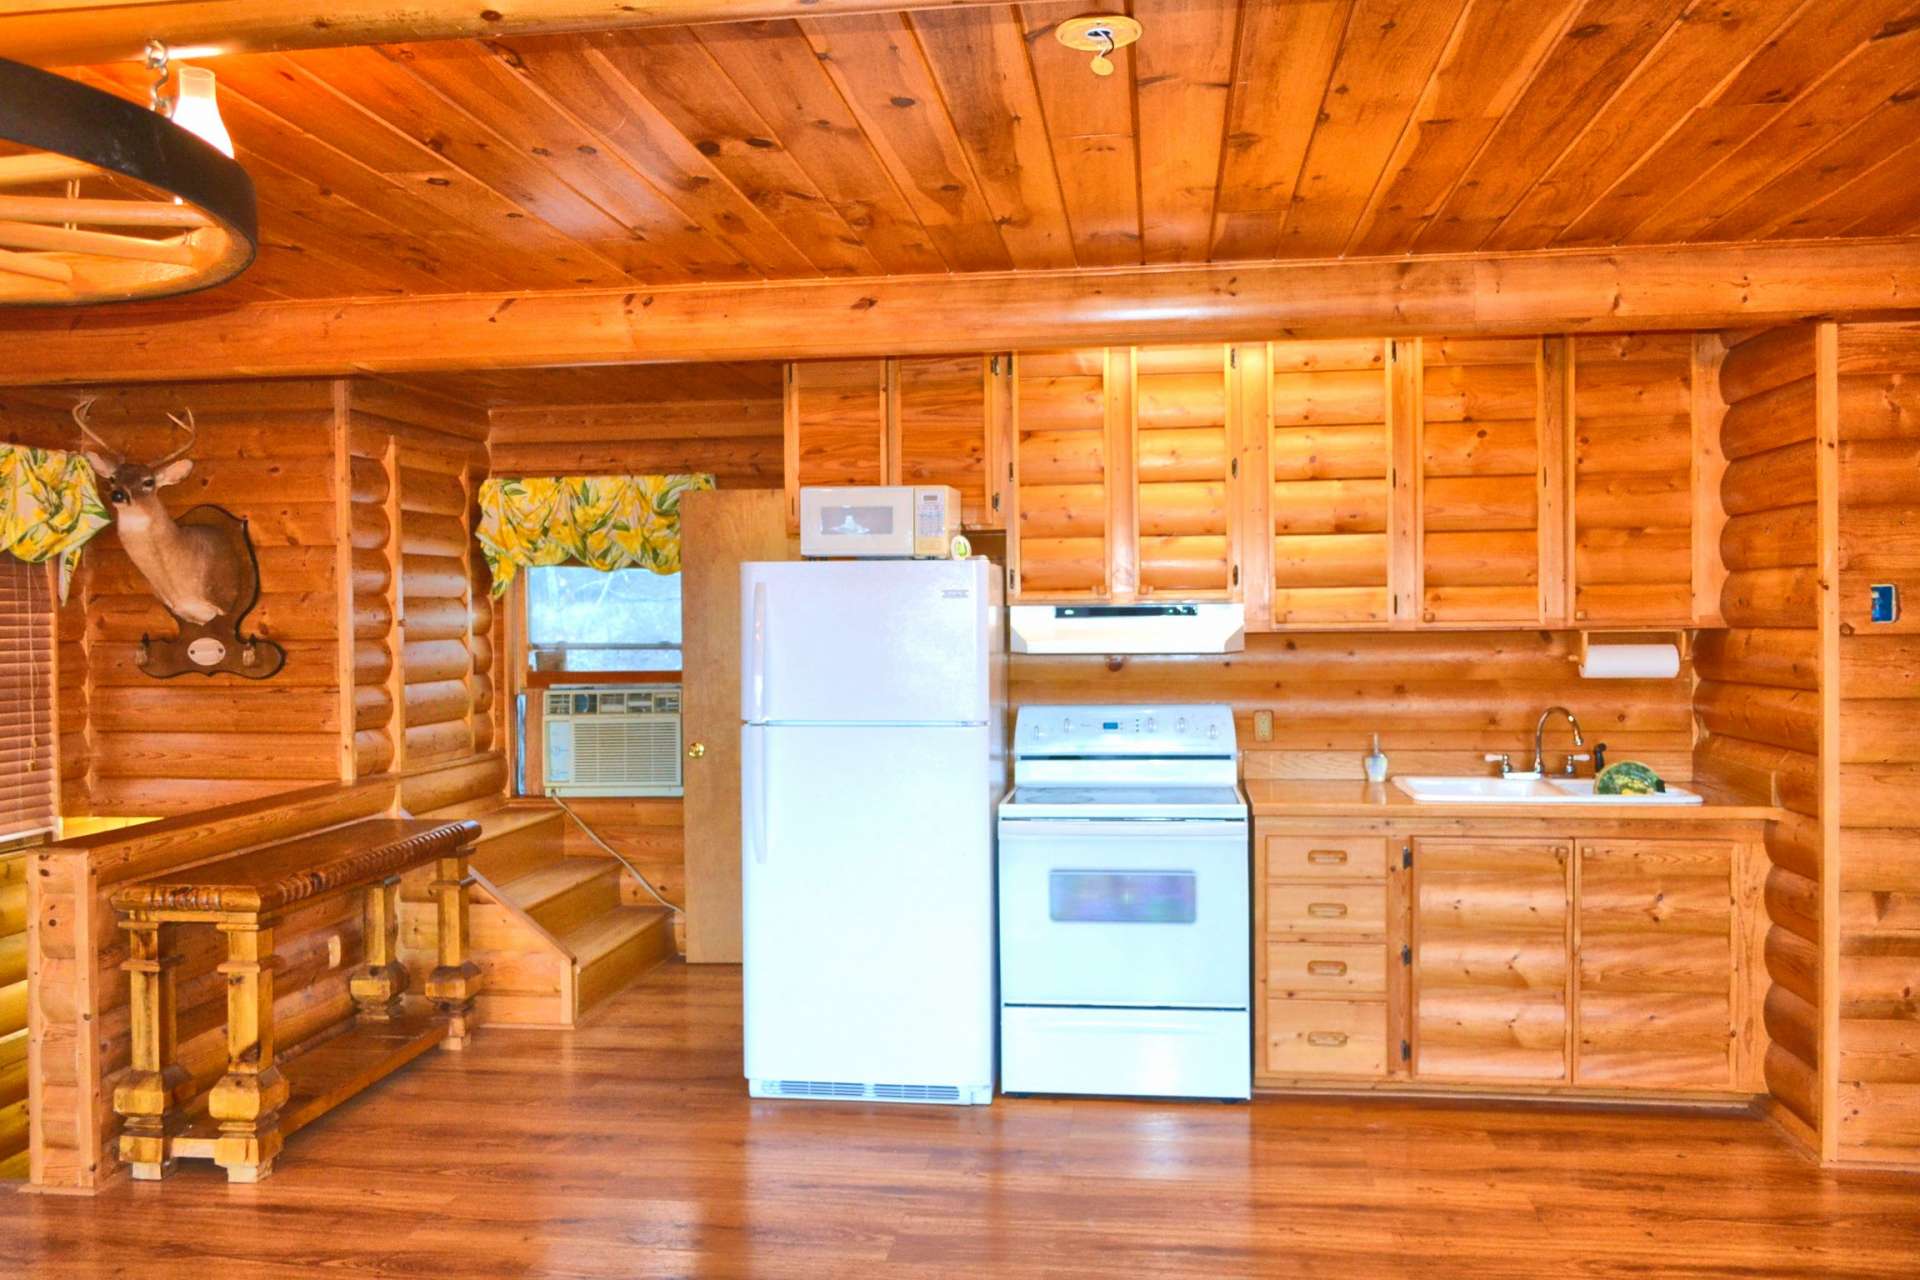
881 521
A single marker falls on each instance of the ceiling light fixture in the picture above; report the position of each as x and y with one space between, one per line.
105 200
1100 35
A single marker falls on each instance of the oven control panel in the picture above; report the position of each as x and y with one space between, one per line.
1109 731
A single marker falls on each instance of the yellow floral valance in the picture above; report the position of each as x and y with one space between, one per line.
608 522
48 507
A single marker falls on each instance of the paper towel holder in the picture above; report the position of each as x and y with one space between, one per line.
1679 637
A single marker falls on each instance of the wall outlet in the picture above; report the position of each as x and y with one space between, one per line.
336 951
1263 726
1886 602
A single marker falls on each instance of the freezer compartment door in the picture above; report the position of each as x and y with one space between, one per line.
905 641
868 878
1145 1053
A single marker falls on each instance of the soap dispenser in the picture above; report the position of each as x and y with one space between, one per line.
1376 762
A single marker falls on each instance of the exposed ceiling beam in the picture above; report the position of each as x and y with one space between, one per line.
87 32
1686 287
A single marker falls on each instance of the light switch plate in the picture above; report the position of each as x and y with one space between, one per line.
1886 602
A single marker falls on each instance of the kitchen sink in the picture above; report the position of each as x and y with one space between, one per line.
1529 790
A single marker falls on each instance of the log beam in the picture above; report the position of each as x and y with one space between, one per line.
85 32
1620 290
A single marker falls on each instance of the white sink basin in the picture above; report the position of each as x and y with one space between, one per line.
1529 790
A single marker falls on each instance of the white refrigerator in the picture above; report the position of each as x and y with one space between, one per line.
872 757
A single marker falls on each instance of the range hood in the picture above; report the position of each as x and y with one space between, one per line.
1128 628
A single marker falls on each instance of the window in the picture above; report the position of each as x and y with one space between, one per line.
581 619
27 801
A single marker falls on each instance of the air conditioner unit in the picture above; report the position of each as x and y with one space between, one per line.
613 740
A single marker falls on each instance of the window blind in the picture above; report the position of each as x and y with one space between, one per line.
27 801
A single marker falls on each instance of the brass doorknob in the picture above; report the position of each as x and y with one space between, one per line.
697 750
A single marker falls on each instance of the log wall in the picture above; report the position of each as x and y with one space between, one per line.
1758 700
1875 1011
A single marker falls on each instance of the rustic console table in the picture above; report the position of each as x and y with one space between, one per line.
252 1109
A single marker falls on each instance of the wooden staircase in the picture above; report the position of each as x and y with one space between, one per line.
551 935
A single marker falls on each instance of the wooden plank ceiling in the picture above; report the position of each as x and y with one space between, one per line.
969 140
600 385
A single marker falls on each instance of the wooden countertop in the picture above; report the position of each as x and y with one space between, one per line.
1275 798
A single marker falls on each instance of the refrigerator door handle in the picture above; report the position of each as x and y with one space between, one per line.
753 750
757 672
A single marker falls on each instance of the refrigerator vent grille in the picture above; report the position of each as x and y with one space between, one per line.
875 1092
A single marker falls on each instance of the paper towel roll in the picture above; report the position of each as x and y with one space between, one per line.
1631 662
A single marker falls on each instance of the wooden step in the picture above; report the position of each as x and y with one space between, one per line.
567 894
515 842
616 948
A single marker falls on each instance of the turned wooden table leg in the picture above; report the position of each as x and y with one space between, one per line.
377 988
150 1095
247 1099
454 983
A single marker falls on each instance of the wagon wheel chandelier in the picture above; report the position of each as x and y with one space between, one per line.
105 200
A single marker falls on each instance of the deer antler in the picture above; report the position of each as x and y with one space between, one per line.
193 434
80 412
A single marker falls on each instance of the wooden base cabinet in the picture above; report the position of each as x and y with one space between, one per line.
1327 983
1522 960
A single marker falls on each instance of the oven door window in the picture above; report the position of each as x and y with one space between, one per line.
1122 897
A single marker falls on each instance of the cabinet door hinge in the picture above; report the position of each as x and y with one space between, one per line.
1406 856
993 365
1236 575
996 502
1233 357
1233 468
1406 953
1406 1052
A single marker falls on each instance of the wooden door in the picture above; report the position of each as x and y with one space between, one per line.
1490 973
1072 476
718 530
1323 500
836 426
945 411
1486 548
1656 940
1185 433
1633 480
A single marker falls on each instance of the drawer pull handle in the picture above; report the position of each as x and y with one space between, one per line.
1327 968
1327 910
1327 1039
1327 857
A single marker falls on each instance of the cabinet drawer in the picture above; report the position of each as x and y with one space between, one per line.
1326 908
1326 1038
1328 857
1341 968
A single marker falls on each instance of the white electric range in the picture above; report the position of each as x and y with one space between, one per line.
1124 926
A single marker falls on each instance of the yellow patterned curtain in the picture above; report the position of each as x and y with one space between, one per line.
48 507
608 522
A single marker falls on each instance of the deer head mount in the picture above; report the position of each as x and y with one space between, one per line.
200 565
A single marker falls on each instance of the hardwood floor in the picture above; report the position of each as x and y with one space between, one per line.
630 1148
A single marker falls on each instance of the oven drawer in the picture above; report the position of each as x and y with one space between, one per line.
1326 908
1326 1038
1339 968
1325 857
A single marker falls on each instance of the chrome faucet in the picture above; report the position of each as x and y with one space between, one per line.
1539 732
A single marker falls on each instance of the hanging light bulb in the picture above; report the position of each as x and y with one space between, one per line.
195 110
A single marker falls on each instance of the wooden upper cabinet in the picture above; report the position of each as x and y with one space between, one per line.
836 426
947 414
1632 495
1065 434
924 420
1184 428
1317 426
1486 556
